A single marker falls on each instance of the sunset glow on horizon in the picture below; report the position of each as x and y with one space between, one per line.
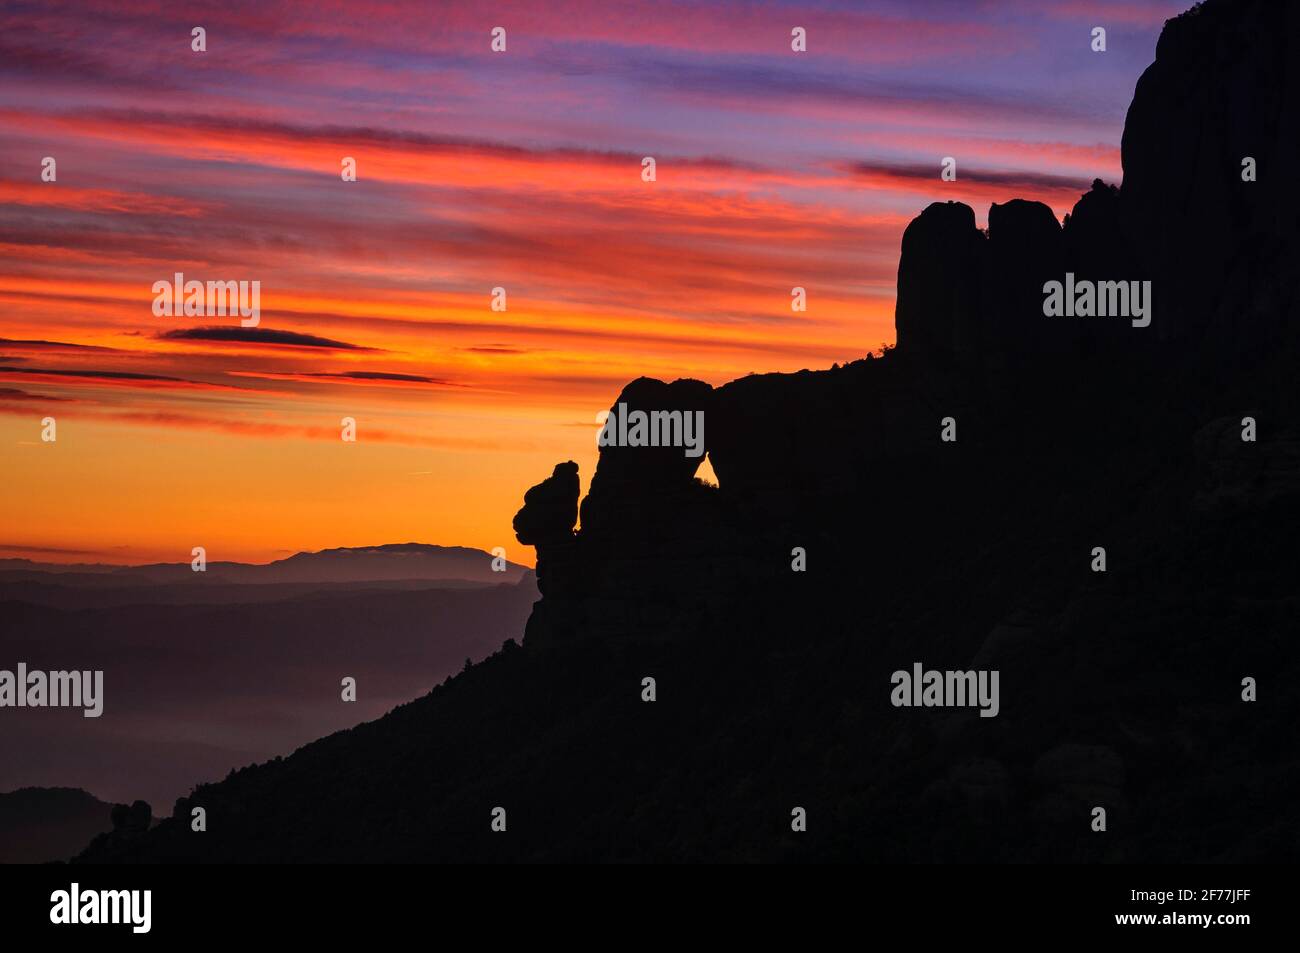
474 170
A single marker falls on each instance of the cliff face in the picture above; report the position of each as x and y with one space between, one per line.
1225 86
973 342
847 539
1070 432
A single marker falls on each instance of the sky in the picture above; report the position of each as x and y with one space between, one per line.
475 170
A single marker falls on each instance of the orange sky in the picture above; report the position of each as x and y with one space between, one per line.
475 170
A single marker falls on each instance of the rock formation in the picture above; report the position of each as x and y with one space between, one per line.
1120 686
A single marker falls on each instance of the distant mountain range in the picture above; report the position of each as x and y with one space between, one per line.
395 562
204 672
392 566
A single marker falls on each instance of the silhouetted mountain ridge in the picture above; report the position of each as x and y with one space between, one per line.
393 562
1119 688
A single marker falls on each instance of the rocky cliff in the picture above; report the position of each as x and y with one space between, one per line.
848 539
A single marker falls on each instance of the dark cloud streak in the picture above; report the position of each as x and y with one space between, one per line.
273 337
